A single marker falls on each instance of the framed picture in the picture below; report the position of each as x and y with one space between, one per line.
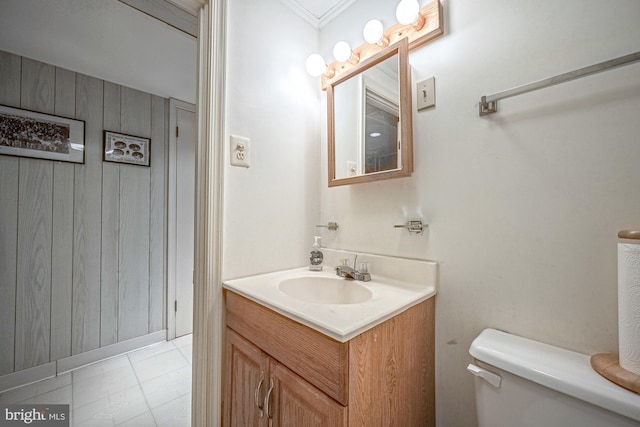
27 133
121 148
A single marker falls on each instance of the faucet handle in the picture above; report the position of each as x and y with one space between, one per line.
344 261
364 267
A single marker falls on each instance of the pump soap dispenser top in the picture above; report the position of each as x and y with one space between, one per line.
315 257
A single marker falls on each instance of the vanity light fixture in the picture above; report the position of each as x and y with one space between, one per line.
373 33
408 13
418 25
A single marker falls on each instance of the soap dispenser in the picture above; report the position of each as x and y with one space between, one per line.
315 257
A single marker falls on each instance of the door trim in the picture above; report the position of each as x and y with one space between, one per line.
174 106
206 406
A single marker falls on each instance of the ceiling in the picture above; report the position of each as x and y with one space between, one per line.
318 12
182 14
105 40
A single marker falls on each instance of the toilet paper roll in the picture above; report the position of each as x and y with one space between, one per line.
629 306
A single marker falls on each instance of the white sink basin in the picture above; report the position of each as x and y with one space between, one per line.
325 290
339 308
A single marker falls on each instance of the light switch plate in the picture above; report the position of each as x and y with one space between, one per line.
426 93
240 152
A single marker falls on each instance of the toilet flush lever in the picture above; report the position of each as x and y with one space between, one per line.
490 377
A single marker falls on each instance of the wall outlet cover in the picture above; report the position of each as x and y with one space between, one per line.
352 168
240 152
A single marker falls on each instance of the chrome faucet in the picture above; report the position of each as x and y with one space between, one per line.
351 273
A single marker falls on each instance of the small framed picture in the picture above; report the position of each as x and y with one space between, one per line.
121 148
27 133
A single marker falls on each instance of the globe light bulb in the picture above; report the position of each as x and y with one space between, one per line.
342 51
373 31
315 65
408 11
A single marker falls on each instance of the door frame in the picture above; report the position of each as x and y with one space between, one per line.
208 305
174 106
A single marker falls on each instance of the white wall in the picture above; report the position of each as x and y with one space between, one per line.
524 206
104 39
270 208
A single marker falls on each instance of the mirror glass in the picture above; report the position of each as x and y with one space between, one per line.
370 120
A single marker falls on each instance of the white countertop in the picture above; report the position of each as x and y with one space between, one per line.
341 322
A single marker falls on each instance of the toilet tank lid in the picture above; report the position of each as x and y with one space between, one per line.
553 367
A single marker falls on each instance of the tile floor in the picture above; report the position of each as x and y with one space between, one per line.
147 387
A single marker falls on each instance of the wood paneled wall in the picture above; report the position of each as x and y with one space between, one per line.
82 246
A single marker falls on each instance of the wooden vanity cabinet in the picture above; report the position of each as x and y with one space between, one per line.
384 376
298 403
249 370
263 392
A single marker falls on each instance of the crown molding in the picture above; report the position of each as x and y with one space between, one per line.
318 21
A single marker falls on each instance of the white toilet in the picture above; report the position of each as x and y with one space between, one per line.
520 382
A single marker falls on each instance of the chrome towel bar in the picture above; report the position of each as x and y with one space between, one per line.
489 103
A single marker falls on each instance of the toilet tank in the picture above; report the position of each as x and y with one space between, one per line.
521 382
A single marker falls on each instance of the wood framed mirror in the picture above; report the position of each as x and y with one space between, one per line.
369 119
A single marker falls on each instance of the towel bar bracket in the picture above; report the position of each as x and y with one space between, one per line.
414 226
488 107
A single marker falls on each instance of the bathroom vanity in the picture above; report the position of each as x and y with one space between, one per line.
280 372
290 362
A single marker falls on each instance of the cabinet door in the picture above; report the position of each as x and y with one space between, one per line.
294 402
246 383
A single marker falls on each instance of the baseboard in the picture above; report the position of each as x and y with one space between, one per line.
67 364
27 376
92 356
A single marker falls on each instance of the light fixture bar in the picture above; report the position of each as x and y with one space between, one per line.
433 28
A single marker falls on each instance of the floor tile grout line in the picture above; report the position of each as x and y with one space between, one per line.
183 358
144 395
107 392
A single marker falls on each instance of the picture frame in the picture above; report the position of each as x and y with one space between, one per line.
26 133
129 149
